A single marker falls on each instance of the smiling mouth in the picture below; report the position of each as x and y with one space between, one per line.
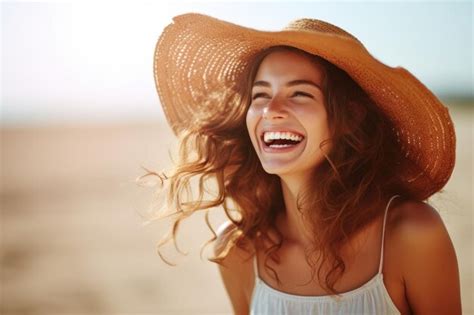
280 145
275 143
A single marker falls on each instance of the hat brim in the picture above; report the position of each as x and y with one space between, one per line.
198 54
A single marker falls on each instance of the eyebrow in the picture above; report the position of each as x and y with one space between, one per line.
291 83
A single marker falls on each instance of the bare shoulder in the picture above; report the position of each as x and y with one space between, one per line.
236 271
236 255
417 224
224 233
427 259
418 214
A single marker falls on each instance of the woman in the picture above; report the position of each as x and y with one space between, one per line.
327 155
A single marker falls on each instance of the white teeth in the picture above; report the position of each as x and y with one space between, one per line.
281 145
268 136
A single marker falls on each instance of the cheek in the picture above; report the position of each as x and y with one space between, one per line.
317 124
250 121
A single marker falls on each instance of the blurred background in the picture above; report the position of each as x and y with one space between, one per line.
80 117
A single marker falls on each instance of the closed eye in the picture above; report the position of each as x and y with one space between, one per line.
297 93
302 94
257 95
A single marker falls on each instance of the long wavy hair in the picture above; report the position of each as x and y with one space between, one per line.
349 188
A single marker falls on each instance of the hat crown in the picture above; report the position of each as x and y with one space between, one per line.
314 25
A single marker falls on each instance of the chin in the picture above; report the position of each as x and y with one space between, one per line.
291 170
280 171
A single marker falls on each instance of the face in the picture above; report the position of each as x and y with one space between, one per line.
287 96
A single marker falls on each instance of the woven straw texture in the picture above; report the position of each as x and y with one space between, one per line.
198 56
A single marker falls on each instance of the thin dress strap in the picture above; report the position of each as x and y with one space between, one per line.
383 232
255 266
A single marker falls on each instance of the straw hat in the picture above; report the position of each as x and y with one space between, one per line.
197 56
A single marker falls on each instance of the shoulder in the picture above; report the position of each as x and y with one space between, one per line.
236 269
226 234
416 218
416 223
426 257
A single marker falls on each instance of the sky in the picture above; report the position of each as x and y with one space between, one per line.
76 61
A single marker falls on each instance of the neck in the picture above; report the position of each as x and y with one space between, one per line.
291 222
296 232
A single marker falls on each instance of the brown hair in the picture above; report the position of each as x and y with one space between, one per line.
350 187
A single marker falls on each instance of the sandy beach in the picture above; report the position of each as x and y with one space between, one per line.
72 240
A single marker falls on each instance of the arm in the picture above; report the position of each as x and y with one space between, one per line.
235 272
429 263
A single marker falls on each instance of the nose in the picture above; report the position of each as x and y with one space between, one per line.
274 109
